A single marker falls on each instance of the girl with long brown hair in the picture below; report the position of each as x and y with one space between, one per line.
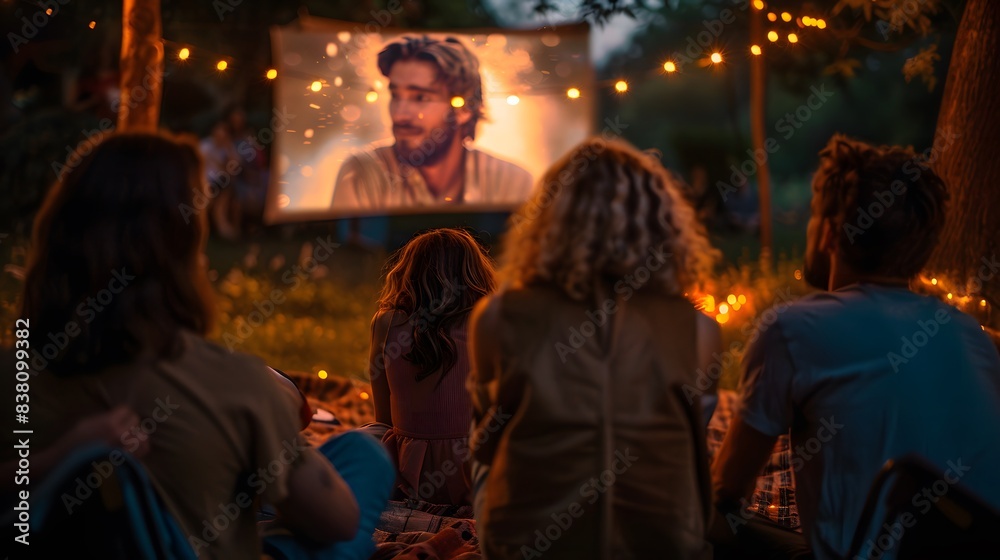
419 361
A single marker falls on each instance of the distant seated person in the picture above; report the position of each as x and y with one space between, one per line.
116 263
866 371
419 362
430 162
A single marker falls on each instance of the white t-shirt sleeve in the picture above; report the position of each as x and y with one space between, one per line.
766 384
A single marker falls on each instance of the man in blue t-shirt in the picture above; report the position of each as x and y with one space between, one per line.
866 371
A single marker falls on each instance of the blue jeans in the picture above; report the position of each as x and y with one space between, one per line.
365 466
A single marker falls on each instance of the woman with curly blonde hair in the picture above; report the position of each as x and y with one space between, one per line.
583 438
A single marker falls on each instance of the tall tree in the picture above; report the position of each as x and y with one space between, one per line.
141 65
970 117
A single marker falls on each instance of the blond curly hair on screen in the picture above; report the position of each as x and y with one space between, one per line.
597 216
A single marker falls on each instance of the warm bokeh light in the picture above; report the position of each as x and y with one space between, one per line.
806 20
755 49
722 318
272 74
372 97
731 299
184 53
821 23
222 65
513 100
772 36
92 24
708 304
457 102
982 303
669 66
322 374
785 16
573 93
772 17
793 38
364 395
723 308
621 86
716 57
798 275
950 295
934 281
741 299
316 86
758 4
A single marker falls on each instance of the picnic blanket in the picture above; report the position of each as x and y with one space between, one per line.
413 530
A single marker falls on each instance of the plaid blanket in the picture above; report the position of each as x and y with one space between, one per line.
419 530
775 493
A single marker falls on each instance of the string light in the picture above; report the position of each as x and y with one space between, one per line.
513 100
222 65
821 23
772 17
982 303
793 38
934 281
785 16
573 93
316 86
755 50
621 86
772 36
92 24
271 74
758 4
322 374
723 308
731 299
716 57
669 66
184 53
372 97
456 102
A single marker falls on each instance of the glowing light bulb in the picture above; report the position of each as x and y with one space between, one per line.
621 86
716 57
92 24
772 17
731 299
272 74
951 296
821 23
316 86
758 4
222 65
457 102
772 36
322 374
755 50
723 308
793 38
934 281
669 66
513 100
371 96
573 93
184 53
785 16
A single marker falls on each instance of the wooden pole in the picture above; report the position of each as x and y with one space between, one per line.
758 116
141 66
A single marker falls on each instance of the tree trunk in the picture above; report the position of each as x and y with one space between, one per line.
141 65
758 116
970 115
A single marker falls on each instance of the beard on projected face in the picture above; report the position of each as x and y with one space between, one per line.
418 146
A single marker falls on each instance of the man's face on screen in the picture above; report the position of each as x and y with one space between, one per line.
423 121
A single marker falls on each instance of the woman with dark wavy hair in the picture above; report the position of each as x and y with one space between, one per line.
419 362
118 303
